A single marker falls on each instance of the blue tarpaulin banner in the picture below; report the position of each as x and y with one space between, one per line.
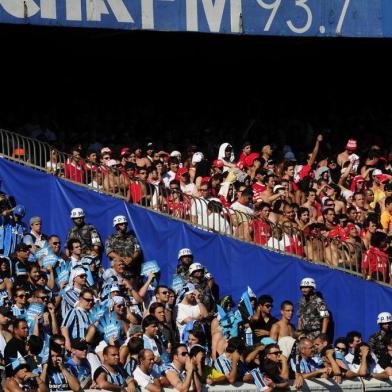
322 18
353 302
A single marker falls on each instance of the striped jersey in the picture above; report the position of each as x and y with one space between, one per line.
78 321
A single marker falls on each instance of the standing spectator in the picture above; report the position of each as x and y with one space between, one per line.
174 165
262 320
189 308
386 216
376 263
36 232
75 167
74 248
283 327
313 315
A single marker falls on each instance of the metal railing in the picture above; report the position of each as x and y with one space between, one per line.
207 214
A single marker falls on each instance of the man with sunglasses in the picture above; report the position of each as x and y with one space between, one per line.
262 321
77 364
180 372
77 321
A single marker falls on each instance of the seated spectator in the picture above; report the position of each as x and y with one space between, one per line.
306 364
275 367
78 364
110 375
231 364
144 375
55 374
180 372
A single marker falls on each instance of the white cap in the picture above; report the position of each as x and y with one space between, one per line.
195 267
376 172
77 213
119 219
308 282
175 153
75 273
112 162
278 187
384 317
184 252
197 157
114 288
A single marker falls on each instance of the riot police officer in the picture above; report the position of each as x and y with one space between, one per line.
313 315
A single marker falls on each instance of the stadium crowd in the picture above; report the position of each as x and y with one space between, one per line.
333 208
67 323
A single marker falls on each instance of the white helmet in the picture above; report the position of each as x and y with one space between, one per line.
195 267
77 213
384 317
184 252
119 219
308 282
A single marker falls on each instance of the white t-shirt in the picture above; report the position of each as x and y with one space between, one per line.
188 189
142 378
219 224
167 177
182 312
237 206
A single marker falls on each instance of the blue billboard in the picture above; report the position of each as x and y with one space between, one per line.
316 18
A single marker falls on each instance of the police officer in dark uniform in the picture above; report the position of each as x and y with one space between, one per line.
86 234
376 341
124 245
185 259
313 315
197 278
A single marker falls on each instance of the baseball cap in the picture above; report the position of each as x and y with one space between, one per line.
117 300
79 344
376 172
197 157
111 162
278 187
123 151
175 153
217 163
22 247
114 288
106 150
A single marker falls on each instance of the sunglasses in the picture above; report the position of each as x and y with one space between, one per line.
22 296
121 306
184 353
83 276
268 305
341 348
44 298
164 292
88 299
56 243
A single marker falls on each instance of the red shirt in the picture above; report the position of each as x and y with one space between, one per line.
376 260
261 231
75 172
257 189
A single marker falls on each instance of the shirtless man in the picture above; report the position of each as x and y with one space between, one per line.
310 204
283 327
345 155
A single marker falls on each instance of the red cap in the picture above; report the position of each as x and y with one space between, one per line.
217 163
251 157
382 177
351 145
180 172
123 151
205 179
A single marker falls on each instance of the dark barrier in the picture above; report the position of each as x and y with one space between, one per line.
354 302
